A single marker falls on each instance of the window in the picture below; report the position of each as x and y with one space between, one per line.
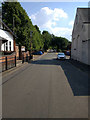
78 36
60 53
10 45
6 46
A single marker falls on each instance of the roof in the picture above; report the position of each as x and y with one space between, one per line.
85 14
8 28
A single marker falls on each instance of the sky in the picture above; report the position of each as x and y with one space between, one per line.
55 17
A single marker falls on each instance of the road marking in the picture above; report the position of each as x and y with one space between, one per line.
56 53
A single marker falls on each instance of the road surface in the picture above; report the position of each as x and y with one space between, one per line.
45 88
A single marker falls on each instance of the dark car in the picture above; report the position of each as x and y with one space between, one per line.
68 53
37 53
42 51
34 53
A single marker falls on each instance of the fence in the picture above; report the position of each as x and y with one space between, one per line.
11 61
7 62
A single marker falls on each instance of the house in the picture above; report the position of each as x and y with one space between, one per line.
7 38
80 49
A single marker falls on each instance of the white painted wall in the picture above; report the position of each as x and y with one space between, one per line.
80 34
7 36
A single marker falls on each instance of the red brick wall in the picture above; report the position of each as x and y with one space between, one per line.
25 54
17 51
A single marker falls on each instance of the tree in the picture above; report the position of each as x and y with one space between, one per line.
37 28
47 39
18 21
16 18
59 43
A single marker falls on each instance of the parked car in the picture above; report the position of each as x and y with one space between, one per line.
68 53
37 53
61 56
42 51
51 50
34 52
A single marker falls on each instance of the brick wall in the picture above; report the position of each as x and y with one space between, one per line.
17 51
25 54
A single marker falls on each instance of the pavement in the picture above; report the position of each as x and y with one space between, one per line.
46 88
19 65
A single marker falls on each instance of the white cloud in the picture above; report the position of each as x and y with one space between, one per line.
62 31
47 10
47 19
71 23
47 16
59 13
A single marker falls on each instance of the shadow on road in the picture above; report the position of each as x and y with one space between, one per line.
77 79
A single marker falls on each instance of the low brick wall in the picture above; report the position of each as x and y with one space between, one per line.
25 54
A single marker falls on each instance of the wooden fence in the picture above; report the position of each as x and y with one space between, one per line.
8 62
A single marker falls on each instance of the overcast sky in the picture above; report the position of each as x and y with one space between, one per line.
55 17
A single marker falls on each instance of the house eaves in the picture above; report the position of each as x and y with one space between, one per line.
8 28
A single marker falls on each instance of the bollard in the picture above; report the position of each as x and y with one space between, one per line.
15 61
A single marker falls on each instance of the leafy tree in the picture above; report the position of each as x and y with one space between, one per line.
37 28
18 21
47 39
60 43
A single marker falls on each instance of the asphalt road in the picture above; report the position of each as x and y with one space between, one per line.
45 88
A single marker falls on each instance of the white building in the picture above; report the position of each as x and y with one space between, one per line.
7 38
80 49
